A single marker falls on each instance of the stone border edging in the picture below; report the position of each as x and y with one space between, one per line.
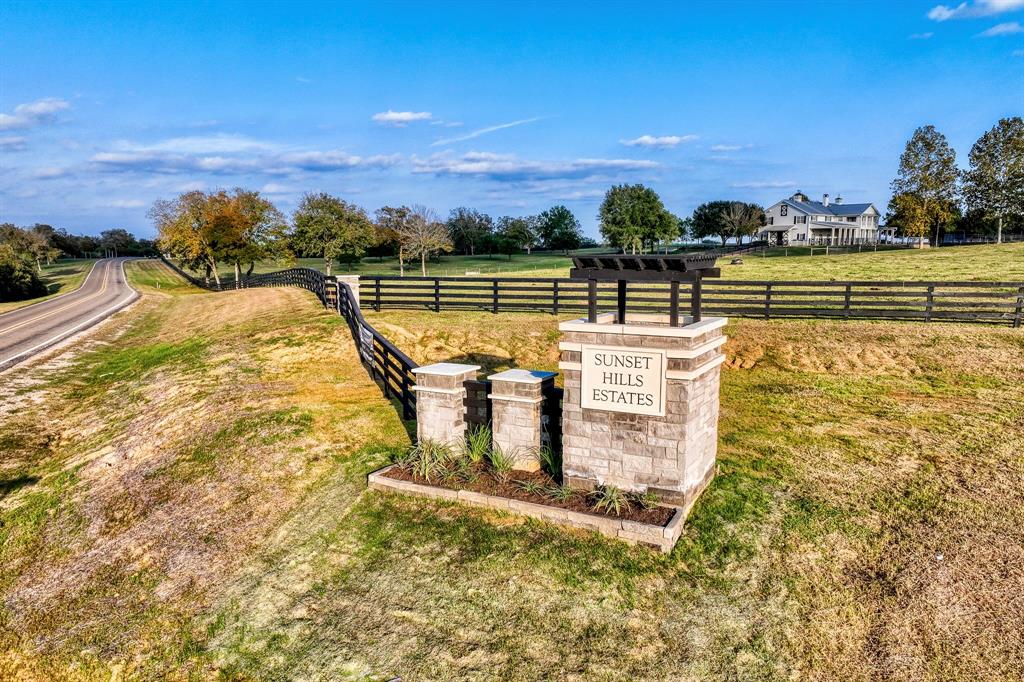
663 538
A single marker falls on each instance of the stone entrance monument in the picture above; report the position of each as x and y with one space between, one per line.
640 410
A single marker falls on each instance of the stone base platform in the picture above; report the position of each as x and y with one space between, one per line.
663 538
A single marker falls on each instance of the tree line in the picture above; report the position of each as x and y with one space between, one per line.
205 230
634 219
932 196
24 251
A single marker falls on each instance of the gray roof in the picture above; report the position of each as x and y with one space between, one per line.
818 208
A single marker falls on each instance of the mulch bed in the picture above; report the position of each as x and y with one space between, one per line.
486 483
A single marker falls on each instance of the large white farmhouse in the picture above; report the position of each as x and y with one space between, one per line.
798 221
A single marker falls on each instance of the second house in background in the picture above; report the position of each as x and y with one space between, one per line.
800 221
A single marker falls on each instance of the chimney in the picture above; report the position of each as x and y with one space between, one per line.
839 200
797 196
824 201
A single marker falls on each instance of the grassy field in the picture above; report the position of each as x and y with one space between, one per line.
199 510
985 262
60 278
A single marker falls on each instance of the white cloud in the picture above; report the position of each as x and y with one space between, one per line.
400 119
127 203
33 113
921 36
730 147
484 131
764 184
655 141
979 8
49 172
229 154
1004 29
510 167
12 143
446 124
302 79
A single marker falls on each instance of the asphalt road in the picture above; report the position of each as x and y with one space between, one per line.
30 330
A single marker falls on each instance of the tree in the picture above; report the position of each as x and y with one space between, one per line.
257 230
515 234
422 234
994 184
390 228
925 187
18 281
558 228
118 240
708 220
330 227
741 220
469 229
685 229
191 230
632 215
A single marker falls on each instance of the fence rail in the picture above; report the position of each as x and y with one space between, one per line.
387 365
925 301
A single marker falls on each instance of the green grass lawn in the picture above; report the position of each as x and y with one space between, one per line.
984 262
199 511
60 278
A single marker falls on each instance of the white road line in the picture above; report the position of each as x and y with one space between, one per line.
54 339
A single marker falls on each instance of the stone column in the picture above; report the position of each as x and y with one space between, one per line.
352 281
440 410
662 437
517 396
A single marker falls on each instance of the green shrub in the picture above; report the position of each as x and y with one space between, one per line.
501 462
533 488
609 499
18 279
649 500
428 460
561 493
478 444
551 462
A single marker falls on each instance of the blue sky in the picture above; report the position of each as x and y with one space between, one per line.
507 107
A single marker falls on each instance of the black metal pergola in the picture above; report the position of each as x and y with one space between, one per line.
626 268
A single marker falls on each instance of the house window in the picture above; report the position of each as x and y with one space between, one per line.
771 220
851 219
800 219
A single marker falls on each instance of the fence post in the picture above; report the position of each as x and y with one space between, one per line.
846 303
929 301
384 371
407 412
376 298
768 301
1020 308
494 305
554 298
437 295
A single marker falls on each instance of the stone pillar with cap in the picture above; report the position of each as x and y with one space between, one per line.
440 406
517 397
641 403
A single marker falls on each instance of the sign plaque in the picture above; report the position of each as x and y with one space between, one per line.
623 380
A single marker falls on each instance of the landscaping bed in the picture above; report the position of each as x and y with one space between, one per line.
479 473
526 486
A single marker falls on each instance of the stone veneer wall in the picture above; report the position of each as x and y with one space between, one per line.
440 406
673 455
517 396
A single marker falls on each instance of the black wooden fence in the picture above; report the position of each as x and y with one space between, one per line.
991 302
389 366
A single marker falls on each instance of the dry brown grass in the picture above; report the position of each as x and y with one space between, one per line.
171 481
198 510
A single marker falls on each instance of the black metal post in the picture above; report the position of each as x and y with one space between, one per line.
695 297
592 301
673 303
621 319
